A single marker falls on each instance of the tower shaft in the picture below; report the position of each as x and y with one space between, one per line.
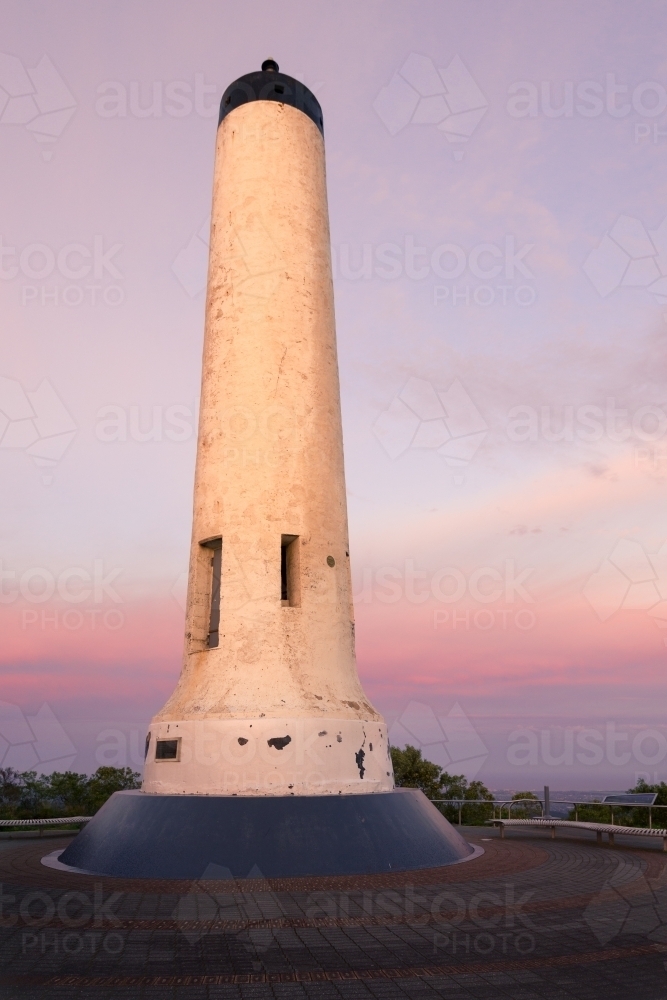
269 700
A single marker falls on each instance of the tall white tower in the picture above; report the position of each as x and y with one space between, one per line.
269 701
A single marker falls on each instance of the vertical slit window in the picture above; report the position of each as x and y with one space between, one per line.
283 576
290 588
214 548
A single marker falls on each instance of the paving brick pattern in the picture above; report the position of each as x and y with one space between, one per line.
531 918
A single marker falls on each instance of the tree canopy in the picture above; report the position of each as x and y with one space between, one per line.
24 795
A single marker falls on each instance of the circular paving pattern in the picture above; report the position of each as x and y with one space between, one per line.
531 917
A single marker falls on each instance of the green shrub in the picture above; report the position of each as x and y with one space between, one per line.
593 813
639 816
411 770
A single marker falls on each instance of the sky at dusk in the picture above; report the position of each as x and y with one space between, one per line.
498 209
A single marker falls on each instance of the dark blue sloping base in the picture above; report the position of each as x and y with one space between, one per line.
135 835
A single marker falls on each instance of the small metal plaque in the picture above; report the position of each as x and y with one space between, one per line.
168 749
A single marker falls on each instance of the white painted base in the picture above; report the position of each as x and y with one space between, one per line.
323 756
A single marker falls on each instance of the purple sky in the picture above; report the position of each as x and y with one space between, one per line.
497 196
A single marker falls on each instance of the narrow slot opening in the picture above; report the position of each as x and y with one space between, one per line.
279 88
214 545
290 586
284 599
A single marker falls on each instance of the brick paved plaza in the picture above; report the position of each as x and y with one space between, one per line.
531 918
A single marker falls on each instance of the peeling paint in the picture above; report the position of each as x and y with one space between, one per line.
279 742
359 757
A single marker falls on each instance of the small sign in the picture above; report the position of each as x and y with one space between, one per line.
632 798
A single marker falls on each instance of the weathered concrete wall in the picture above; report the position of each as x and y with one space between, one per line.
270 756
270 464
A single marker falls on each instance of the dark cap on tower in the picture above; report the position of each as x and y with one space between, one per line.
269 84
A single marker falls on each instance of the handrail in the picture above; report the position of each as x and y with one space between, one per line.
501 803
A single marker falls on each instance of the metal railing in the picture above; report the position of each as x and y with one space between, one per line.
611 806
500 805
460 803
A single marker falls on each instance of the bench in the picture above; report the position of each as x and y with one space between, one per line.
597 828
41 823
